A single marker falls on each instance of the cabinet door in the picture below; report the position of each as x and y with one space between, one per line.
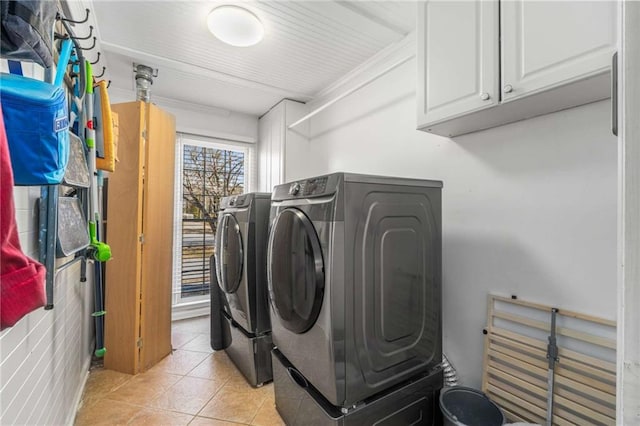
552 43
124 210
457 59
157 226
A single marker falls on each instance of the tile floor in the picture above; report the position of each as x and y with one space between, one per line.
193 386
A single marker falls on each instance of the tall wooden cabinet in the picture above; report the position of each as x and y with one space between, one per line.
140 222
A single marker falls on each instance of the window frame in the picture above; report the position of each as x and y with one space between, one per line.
185 307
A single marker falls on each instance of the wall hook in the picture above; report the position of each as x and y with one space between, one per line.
59 36
87 48
76 38
108 84
97 60
86 18
101 74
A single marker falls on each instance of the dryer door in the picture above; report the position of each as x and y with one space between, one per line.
230 256
295 270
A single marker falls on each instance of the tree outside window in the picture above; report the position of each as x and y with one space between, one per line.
208 175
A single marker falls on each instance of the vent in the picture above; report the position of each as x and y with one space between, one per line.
144 76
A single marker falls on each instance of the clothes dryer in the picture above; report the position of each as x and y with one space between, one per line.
241 240
354 272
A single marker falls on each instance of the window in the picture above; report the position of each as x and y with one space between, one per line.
207 171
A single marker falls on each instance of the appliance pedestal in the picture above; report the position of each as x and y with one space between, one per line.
414 402
250 354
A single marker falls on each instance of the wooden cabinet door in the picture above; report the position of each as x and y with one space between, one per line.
122 278
457 59
157 230
551 43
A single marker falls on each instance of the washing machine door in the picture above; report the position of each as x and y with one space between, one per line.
295 270
230 258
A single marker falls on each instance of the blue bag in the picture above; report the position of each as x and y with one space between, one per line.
37 121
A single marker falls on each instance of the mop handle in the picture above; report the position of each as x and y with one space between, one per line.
63 61
91 141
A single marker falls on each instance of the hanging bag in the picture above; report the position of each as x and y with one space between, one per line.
26 30
36 120
21 278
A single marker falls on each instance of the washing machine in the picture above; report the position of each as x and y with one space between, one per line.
354 273
241 242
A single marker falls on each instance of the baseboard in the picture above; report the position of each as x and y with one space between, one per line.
190 311
71 417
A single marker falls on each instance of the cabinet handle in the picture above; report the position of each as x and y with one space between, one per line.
508 88
614 94
485 96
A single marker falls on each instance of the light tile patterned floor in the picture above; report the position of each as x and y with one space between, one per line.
193 386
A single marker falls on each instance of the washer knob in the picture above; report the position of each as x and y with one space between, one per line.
294 189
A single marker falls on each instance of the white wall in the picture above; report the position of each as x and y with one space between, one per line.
528 208
44 358
200 120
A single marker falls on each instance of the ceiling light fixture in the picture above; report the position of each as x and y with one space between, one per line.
235 25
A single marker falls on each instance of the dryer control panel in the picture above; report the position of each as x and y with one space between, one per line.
240 200
307 188
243 200
315 186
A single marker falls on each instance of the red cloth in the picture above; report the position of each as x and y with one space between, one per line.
21 278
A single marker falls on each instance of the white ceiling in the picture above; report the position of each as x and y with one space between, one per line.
308 45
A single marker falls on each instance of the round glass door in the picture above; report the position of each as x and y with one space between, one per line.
229 257
295 270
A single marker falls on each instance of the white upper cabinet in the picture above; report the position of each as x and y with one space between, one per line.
460 40
550 43
484 63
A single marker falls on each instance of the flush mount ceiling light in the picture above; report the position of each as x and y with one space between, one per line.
235 26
